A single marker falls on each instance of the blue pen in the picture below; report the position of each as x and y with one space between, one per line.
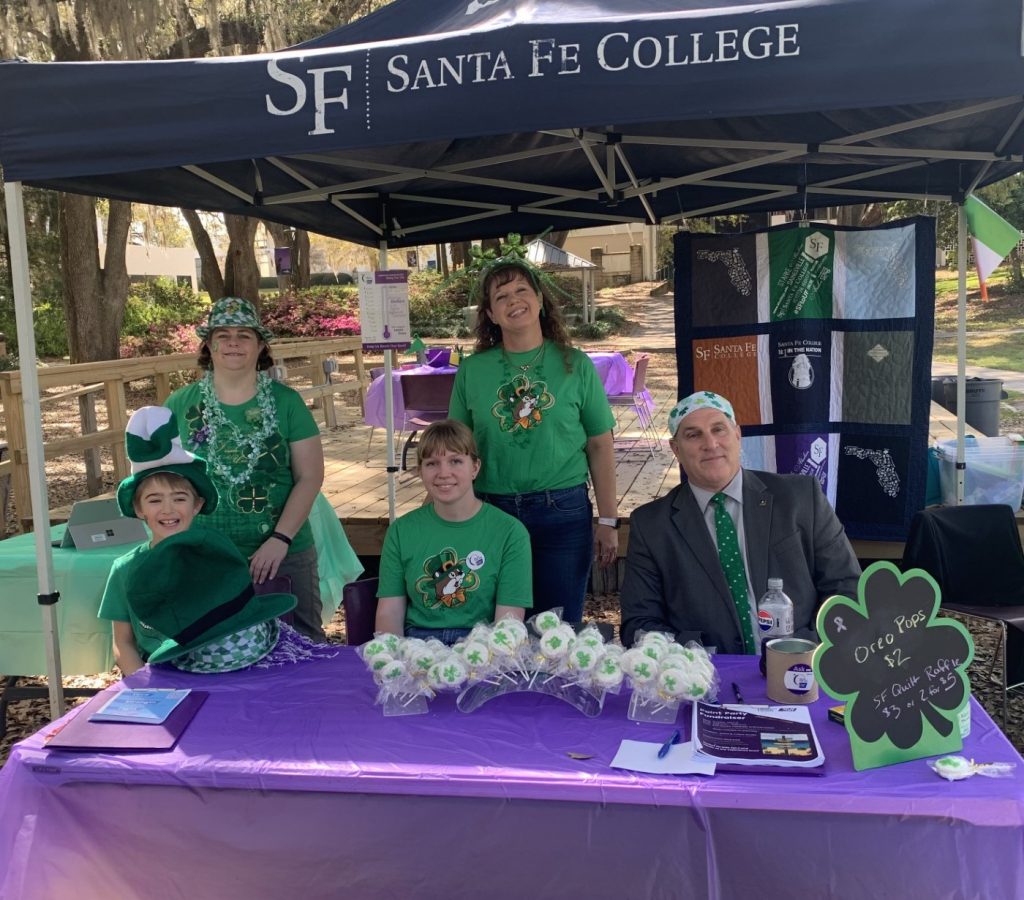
664 748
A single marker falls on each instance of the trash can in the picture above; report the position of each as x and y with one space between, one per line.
939 383
982 407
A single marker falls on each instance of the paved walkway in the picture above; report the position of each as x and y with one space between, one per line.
1012 381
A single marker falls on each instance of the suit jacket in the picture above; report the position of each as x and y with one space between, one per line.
674 582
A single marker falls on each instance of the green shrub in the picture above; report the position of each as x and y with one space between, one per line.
435 306
316 279
614 316
160 305
50 326
592 331
8 363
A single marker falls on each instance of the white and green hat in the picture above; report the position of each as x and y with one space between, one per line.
154 445
698 400
233 312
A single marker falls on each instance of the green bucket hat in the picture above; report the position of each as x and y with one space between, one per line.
154 445
193 589
233 312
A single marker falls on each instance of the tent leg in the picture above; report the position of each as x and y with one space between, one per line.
34 441
961 350
389 405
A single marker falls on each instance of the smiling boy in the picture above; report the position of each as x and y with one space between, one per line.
167 489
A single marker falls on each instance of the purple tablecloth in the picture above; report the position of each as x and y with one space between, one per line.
291 782
374 408
616 376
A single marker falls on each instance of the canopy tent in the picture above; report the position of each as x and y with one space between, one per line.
459 119
440 120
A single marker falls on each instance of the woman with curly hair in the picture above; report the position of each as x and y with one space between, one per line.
541 418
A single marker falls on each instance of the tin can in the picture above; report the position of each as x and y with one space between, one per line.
788 662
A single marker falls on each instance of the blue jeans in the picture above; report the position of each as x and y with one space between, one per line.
445 635
561 527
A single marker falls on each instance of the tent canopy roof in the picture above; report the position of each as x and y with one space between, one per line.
456 119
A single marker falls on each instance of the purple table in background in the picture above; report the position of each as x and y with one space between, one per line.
374 408
290 782
616 376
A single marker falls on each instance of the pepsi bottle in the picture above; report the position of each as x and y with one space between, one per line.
774 615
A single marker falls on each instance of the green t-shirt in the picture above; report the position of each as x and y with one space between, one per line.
247 513
453 574
531 426
115 607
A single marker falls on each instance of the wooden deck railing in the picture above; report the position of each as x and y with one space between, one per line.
108 379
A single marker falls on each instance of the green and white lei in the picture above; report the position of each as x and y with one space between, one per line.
221 429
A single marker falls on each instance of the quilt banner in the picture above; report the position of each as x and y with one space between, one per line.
821 336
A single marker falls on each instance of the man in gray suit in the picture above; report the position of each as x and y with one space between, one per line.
784 525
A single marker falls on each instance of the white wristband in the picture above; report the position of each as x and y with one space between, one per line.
609 521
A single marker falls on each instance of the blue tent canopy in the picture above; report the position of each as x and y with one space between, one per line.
437 120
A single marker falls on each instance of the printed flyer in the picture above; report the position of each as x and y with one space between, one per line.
755 736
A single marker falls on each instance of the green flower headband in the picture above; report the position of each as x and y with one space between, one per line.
483 263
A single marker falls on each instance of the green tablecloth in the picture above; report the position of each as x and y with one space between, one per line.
85 640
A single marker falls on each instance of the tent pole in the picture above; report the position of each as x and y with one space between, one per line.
389 403
34 441
961 350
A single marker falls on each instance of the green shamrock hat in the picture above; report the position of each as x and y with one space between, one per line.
193 589
154 445
233 312
698 400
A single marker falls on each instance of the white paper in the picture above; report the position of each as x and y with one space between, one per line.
640 756
384 308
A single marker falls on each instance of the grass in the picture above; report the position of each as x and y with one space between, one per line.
993 351
1004 309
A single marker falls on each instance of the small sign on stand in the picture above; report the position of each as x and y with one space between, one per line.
384 309
900 667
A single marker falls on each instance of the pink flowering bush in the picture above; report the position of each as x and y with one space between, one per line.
158 340
312 312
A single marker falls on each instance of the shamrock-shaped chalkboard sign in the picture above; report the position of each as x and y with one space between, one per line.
899 666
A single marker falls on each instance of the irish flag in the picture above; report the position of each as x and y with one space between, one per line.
991 235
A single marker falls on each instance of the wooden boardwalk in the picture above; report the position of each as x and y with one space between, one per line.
356 482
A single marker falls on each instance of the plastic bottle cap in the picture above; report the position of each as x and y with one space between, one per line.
775 584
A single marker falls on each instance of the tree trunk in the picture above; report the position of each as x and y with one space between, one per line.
94 296
300 274
210 275
296 240
442 259
460 253
865 215
1016 273
241 274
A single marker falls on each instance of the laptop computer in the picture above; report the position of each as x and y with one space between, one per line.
98 523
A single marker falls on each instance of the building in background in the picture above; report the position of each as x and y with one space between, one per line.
623 253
